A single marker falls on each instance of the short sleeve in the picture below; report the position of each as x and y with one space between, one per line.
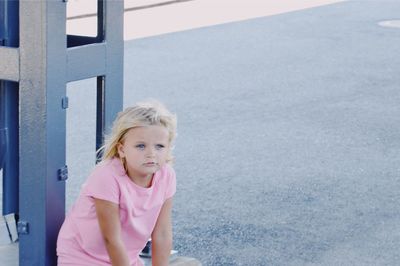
103 185
171 183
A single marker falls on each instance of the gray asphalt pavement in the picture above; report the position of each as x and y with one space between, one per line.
288 151
288 146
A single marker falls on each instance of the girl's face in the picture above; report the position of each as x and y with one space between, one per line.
145 150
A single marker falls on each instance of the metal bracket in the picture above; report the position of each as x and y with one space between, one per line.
23 227
63 173
64 102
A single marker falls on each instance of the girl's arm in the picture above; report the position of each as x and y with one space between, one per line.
110 226
161 238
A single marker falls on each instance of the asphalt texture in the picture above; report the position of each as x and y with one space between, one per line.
288 148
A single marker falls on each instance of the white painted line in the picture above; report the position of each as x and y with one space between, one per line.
186 15
202 13
390 23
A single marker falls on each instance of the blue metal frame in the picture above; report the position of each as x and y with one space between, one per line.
3 129
9 104
35 67
77 40
3 137
9 127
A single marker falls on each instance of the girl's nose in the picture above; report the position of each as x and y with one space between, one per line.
150 152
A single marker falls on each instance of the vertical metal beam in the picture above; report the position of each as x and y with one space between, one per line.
3 128
2 99
100 113
100 20
43 77
113 80
42 127
9 36
100 82
9 130
110 86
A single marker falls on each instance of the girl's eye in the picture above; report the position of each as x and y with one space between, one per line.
159 146
140 146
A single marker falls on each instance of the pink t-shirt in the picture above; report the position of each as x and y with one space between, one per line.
80 242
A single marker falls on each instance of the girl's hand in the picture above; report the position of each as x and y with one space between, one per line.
110 226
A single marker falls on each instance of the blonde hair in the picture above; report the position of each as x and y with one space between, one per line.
147 113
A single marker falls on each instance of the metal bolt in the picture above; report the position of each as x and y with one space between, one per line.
63 173
64 102
23 227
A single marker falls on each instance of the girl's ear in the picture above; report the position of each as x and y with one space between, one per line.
120 149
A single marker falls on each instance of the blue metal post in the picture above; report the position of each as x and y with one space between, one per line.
35 54
3 132
42 83
47 61
9 36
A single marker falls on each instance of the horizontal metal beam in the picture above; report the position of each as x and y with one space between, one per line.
86 61
9 63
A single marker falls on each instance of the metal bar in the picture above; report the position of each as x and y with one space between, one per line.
100 20
9 67
110 85
9 128
9 32
3 127
93 65
9 64
77 40
3 136
100 113
45 67
113 82
43 70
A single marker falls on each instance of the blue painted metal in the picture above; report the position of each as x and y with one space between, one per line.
9 18
42 129
2 146
47 62
9 94
78 40
3 130
10 144
34 138
100 113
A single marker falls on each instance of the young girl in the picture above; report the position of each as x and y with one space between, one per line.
128 197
